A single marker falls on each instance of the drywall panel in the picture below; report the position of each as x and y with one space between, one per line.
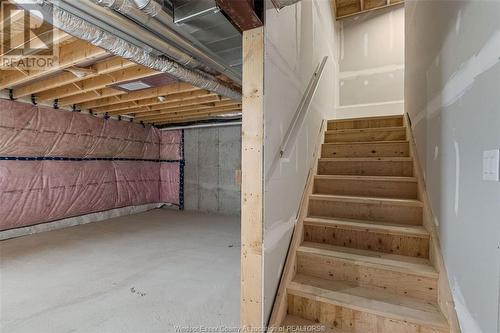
212 156
372 60
296 40
452 80
369 110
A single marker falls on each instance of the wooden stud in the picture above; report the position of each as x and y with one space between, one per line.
252 162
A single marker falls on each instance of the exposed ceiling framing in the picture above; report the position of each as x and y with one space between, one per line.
347 8
88 78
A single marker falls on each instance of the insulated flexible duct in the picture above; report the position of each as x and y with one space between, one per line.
154 18
82 29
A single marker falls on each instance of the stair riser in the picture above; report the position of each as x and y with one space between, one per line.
369 188
365 136
366 168
366 123
361 239
390 149
399 283
351 320
400 214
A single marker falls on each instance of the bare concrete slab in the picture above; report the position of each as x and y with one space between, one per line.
148 272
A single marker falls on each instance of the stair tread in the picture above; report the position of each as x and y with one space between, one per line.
364 143
367 159
369 300
370 200
365 129
367 178
395 262
366 118
294 321
374 226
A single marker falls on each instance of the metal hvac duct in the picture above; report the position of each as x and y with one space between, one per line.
96 31
151 16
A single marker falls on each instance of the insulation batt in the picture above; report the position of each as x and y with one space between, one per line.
37 191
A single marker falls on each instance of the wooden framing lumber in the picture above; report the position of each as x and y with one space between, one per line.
91 96
152 104
69 55
192 115
252 161
183 120
348 8
100 68
228 105
131 73
142 94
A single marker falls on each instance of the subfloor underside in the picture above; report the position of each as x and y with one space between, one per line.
150 272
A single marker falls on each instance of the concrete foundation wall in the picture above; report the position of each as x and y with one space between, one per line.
212 155
296 40
372 64
452 96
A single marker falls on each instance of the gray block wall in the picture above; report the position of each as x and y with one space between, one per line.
212 155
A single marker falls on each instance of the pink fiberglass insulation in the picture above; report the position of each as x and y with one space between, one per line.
27 130
170 145
42 189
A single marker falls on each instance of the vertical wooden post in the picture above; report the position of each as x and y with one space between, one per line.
252 160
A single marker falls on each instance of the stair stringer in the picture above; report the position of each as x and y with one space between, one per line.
445 298
279 309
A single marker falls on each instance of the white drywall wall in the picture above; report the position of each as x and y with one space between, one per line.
296 40
453 99
372 64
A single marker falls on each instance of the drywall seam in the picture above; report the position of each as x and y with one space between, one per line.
370 104
77 220
463 79
371 71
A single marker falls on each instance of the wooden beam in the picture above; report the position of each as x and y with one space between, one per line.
152 110
251 316
100 68
154 103
186 119
91 96
200 113
99 82
69 55
141 94
346 12
191 108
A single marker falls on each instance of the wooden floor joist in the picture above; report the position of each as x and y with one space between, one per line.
88 78
361 258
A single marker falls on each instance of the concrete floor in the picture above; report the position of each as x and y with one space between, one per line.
141 273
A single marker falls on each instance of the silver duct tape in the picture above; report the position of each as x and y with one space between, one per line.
82 29
150 7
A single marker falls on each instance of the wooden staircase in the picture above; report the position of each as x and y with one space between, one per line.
359 259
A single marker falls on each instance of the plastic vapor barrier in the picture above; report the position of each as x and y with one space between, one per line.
56 164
